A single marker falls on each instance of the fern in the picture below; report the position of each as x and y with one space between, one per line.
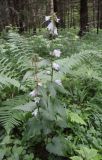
28 107
7 81
74 117
10 117
14 53
71 65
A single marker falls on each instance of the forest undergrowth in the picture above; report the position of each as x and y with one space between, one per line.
51 105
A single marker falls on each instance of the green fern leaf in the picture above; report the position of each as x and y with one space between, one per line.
28 107
74 117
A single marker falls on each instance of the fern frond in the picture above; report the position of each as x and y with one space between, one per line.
7 81
9 118
87 72
28 107
73 63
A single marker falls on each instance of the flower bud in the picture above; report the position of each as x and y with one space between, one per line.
58 81
47 18
34 93
35 112
57 53
56 66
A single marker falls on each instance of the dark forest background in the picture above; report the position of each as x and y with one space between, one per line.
29 14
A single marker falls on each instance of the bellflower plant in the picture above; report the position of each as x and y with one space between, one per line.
49 113
55 53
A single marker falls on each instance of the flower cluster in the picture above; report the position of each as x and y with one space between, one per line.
56 53
35 93
56 66
52 24
58 81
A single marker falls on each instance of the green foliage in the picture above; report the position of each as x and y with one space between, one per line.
9 118
74 117
87 154
14 151
57 146
67 121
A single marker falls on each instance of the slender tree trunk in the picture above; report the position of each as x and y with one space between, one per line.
94 13
83 17
68 15
100 14
71 14
52 6
55 6
61 13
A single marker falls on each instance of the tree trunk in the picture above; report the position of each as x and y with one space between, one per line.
83 17
55 6
62 13
94 13
100 14
52 6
